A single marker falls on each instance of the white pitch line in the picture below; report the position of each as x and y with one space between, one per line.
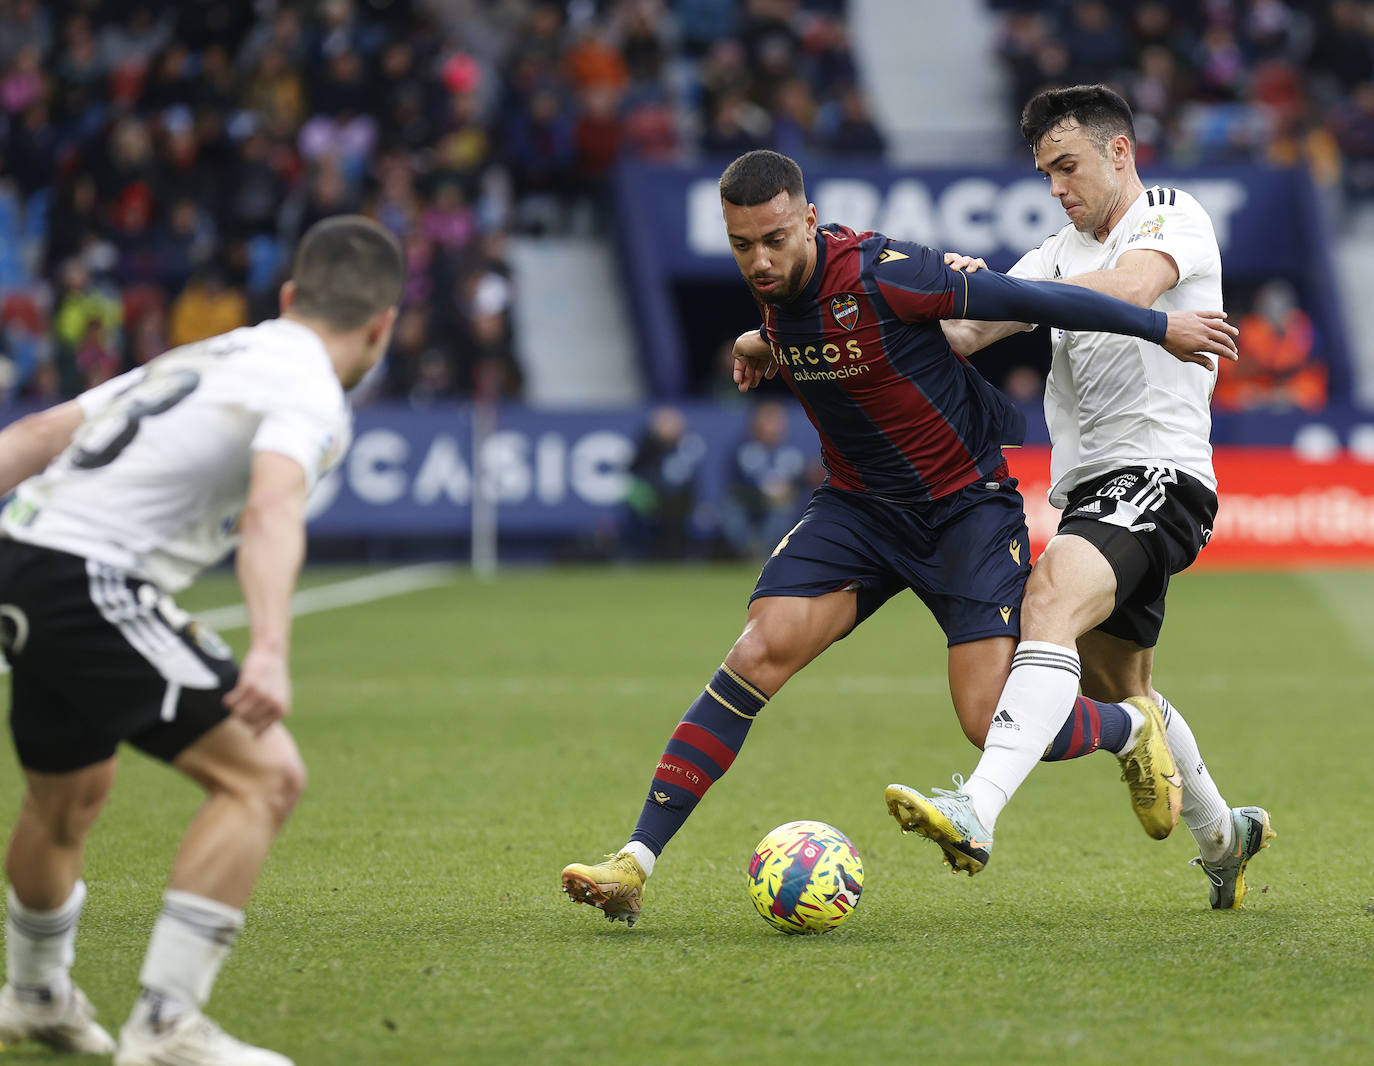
348 593
1346 594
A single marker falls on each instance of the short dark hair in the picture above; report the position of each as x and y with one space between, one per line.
347 268
756 177
1100 111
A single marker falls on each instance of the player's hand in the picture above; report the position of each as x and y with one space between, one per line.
263 693
967 263
1193 334
753 360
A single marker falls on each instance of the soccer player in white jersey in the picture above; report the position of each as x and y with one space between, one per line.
1131 467
123 495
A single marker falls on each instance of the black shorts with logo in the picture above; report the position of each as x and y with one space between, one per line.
98 657
1149 522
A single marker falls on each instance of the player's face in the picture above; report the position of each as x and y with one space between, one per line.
774 244
1088 183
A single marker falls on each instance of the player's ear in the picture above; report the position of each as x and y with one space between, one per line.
810 220
380 324
287 295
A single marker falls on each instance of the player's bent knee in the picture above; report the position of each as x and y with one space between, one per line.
282 779
753 653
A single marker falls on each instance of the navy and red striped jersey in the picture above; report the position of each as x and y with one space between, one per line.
899 414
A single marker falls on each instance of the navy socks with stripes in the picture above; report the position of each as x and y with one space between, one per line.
700 750
1089 726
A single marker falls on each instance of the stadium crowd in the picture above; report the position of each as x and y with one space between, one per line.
157 159
1216 81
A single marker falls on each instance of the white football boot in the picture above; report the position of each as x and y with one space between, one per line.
65 1024
190 1039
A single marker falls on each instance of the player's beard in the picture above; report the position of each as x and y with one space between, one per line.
787 289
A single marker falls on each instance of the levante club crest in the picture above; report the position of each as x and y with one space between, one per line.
845 308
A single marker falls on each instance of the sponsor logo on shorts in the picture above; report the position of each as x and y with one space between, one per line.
1005 612
1015 548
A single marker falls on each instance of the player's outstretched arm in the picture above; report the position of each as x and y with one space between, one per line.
753 360
989 296
269 561
29 444
966 336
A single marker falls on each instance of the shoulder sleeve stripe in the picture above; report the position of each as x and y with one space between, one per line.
1150 196
1172 194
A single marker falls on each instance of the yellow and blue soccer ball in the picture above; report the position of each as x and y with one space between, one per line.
805 877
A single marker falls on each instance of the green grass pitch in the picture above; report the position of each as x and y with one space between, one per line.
467 741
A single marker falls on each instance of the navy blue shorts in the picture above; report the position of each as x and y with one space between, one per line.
967 555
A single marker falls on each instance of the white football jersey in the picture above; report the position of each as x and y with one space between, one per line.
154 480
1114 401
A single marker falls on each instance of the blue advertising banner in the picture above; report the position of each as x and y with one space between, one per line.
996 213
1267 223
558 475
563 474
550 473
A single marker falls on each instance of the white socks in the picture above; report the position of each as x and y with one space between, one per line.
41 945
642 855
1036 699
190 940
1205 812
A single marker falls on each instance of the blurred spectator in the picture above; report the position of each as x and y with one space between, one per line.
205 307
737 126
539 149
24 343
26 24
1279 366
766 487
1352 124
794 118
33 149
22 84
418 370
86 328
852 134
1024 385
663 487
484 306
1342 48
275 92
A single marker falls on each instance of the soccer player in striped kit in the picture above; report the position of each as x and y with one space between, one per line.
1131 467
917 495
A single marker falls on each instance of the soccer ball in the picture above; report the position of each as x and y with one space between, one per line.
805 877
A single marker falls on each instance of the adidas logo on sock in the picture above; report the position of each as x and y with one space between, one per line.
1005 720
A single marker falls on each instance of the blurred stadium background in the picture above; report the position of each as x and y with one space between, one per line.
557 387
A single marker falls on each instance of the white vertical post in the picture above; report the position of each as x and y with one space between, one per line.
484 521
